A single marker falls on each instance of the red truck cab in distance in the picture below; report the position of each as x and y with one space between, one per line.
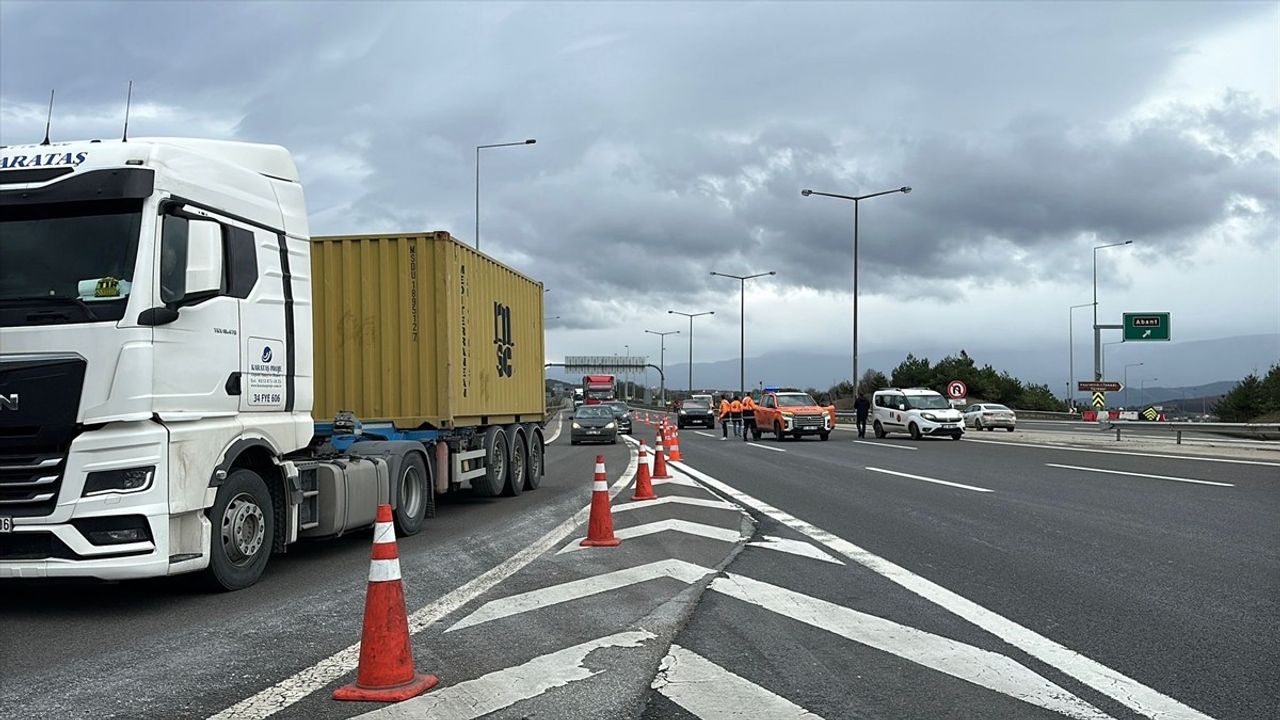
597 389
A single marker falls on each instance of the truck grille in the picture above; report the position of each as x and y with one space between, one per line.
808 422
29 483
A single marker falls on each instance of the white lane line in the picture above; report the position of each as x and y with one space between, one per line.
795 547
884 444
1123 689
765 447
675 499
704 434
713 693
272 700
972 664
929 479
564 592
669 525
1123 452
559 427
503 688
1141 475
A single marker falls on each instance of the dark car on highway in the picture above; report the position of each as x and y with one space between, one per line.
695 412
593 423
622 413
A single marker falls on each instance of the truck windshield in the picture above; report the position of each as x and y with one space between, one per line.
67 263
927 402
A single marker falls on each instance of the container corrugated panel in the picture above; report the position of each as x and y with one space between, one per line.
423 331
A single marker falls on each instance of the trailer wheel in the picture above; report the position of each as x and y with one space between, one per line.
243 531
497 453
518 468
412 488
533 476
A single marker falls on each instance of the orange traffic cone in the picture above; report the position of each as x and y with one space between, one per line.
673 438
600 527
644 485
386 671
660 460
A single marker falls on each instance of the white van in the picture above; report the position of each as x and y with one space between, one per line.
916 411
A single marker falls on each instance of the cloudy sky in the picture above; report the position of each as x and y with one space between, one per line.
673 139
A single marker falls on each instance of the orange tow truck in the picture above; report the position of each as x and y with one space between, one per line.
792 413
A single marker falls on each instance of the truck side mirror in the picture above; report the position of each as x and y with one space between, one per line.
204 259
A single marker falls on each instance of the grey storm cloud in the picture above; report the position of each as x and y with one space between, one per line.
673 139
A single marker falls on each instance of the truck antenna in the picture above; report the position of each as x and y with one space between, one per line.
128 100
49 120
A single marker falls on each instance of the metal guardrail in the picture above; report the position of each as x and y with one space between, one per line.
1259 431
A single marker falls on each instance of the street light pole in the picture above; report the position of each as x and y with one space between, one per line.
691 317
1071 353
1126 382
662 360
626 387
742 324
856 199
1097 331
530 141
1142 390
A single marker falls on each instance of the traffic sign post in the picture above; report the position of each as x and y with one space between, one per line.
1144 327
957 390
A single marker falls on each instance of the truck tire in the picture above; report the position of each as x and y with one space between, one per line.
243 531
497 455
412 488
915 431
518 467
878 429
537 449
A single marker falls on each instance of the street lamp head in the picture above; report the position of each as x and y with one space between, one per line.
1128 242
806 193
530 141
771 272
904 189
671 312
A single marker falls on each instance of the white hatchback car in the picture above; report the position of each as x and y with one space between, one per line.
916 411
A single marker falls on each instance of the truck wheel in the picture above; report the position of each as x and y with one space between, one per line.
243 531
878 429
915 431
518 467
497 455
412 488
533 476
824 435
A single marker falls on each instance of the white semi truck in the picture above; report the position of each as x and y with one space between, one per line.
168 328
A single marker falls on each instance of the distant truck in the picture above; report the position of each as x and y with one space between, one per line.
598 388
192 382
792 413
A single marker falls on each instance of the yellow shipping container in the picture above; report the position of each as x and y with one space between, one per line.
423 331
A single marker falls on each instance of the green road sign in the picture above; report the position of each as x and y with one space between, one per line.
1140 327
1099 399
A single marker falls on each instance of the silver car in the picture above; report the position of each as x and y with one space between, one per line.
989 416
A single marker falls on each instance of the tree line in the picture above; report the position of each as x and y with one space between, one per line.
1255 399
985 383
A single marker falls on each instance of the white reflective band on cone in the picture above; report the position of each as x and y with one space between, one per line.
384 533
599 486
600 468
384 570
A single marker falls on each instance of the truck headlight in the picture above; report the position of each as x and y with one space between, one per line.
128 480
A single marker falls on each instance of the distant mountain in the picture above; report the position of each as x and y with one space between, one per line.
1198 368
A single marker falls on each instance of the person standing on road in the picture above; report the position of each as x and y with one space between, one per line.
862 407
735 415
748 417
724 417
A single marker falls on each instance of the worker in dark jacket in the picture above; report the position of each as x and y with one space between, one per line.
862 407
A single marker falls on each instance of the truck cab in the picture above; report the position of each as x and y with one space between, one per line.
792 413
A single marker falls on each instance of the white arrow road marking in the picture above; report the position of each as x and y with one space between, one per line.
676 499
504 688
929 480
1141 475
885 444
272 700
586 587
713 693
559 427
972 664
691 528
795 547
1119 687
677 479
